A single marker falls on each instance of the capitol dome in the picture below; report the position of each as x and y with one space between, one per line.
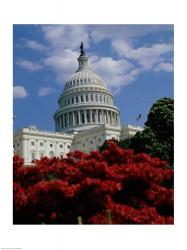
85 102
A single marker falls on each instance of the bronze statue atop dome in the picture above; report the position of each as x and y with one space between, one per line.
82 49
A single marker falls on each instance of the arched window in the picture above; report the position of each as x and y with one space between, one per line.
51 154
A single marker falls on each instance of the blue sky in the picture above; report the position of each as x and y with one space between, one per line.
135 61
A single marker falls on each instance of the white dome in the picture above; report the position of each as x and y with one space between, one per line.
83 78
85 102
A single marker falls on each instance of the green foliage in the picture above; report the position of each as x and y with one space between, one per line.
161 117
157 139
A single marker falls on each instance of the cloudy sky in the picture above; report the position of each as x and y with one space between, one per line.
135 61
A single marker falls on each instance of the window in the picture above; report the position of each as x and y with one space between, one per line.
51 154
68 146
51 145
91 142
32 143
32 156
82 100
72 100
91 98
41 144
68 101
83 144
61 146
77 99
96 98
87 98
18 144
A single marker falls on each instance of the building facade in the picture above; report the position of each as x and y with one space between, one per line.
86 117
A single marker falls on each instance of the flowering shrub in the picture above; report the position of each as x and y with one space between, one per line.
114 186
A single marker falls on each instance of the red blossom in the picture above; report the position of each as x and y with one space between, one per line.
135 188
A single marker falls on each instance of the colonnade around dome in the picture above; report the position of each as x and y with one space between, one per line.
86 117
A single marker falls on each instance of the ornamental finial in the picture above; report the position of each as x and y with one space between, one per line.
82 49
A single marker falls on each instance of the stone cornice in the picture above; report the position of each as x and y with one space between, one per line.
58 135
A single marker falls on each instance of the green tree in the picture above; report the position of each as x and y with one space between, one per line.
157 139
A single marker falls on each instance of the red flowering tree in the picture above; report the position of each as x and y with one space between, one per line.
114 186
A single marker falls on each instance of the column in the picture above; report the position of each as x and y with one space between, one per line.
24 149
67 119
73 117
59 122
107 117
45 148
63 121
90 115
113 118
102 117
85 117
116 119
110 117
96 116
37 153
79 115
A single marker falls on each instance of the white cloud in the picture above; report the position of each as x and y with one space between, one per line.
29 65
168 67
19 92
35 45
121 32
62 52
66 36
146 57
64 64
44 91
115 72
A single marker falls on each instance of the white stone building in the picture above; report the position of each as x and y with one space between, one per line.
86 118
